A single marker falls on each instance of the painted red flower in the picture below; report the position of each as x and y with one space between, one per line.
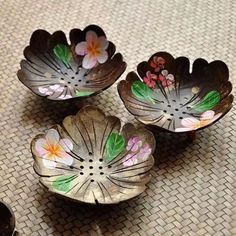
158 63
150 79
166 79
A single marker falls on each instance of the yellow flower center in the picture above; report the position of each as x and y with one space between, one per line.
93 49
202 123
53 149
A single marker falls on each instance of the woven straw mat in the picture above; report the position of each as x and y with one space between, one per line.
193 189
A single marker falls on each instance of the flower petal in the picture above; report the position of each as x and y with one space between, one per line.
207 115
66 159
102 57
217 116
56 87
161 78
89 61
52 136
164 73
63 97
183 129
130 160
91 36
49 163
103 43
190 122
40 147
45 91
66 144
170 77
81 48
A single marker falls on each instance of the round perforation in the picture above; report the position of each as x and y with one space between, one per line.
175 110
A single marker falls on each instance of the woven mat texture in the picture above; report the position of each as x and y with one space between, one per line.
193 189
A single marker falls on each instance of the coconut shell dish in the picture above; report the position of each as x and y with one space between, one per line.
164 93
54 69
90 159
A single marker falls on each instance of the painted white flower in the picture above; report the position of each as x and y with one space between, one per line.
191 123
51 89
93 50
54 150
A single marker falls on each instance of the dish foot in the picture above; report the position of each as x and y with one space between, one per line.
191 136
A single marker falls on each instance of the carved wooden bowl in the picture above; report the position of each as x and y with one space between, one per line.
166 95
59 71
91 159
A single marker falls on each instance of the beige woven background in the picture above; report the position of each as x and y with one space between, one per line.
193 189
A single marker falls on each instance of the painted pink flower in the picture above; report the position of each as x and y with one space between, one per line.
130 159
93 50
144 152
166 78
54 150
191 123
158 63
51 89
134 144
150 80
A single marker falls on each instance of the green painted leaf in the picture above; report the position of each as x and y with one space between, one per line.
114 146
63 183
142 91
63 53
208 102
82 93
